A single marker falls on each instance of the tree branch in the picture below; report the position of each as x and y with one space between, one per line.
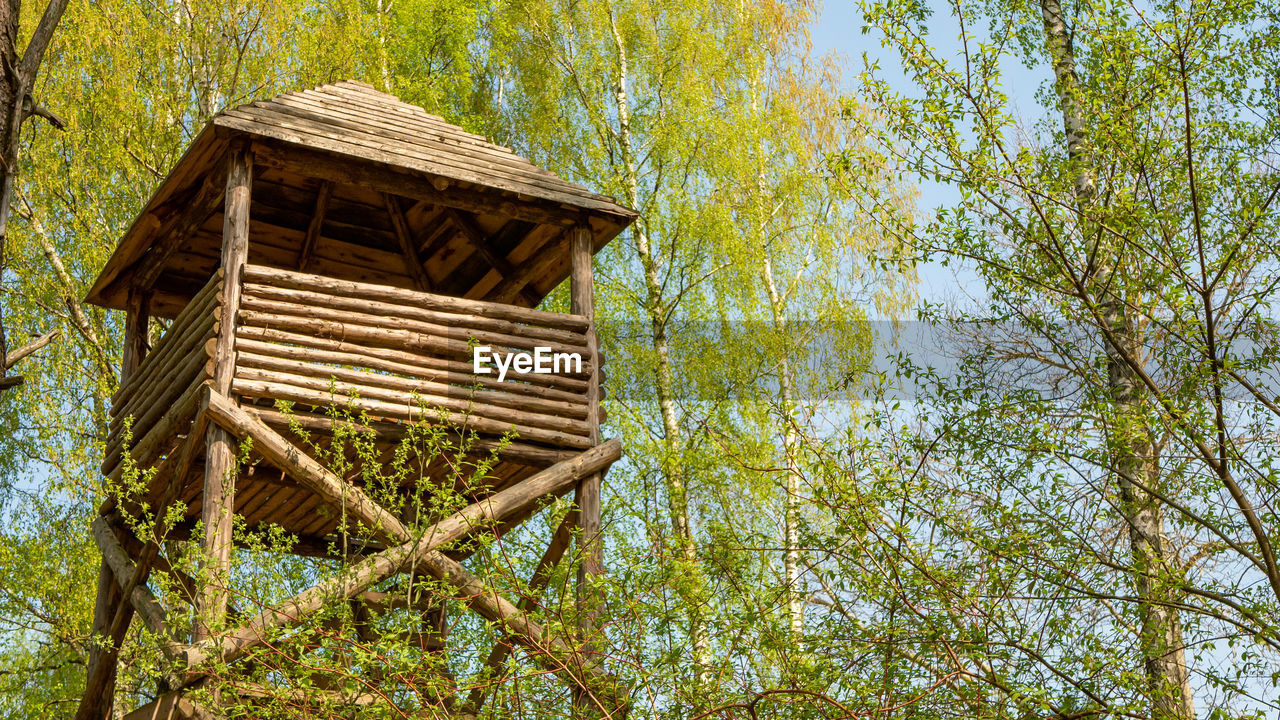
39 42
38 342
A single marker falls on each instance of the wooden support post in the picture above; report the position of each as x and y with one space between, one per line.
587 495
127 575
316 225
403 235
220 446
100 687
113 612
136 336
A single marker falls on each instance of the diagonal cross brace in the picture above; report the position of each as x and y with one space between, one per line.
419 552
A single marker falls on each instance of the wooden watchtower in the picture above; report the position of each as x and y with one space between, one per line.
338 246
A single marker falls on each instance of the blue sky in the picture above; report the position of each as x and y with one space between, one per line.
838 29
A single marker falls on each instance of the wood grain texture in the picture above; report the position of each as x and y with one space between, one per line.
368 142
371 291
315 226
217 512
404 236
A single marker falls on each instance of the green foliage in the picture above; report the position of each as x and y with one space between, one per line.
1155 205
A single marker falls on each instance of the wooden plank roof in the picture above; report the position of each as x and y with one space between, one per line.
352 124
353 119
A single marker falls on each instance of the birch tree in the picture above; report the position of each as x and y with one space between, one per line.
18 72
618 95
809 267
717 125
1120 241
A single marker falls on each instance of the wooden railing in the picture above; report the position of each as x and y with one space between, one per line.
163 393
399 355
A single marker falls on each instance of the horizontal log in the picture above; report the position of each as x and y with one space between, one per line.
299 697
303 468
533 333
153 412
172 706
407 411
204 299
429 301
157 370
393 333
461 328
523 453
381 602
344 352
159 435
515 410
415 548
455 385
163 388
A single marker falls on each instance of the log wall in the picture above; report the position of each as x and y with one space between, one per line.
401 355
160 396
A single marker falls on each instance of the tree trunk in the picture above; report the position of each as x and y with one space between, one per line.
1131 448
790 447
655 306
17 77
11 92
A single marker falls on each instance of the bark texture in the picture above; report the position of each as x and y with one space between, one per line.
1131 447
17 78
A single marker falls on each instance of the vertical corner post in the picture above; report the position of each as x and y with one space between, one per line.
136 336
587 493
100 683
220 446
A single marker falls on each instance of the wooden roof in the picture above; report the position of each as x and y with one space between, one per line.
357 147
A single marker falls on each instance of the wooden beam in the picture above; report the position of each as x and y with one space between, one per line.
172 234
587 495
113 609
316 225
317 164
100 685
126 575
551 652
303 468
172 471
306 697
220 446
442 303
538 265
600 692
235 255
405 238
172 706
477 240
136 337
415 548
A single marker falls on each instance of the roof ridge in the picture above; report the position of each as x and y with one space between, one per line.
354 118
